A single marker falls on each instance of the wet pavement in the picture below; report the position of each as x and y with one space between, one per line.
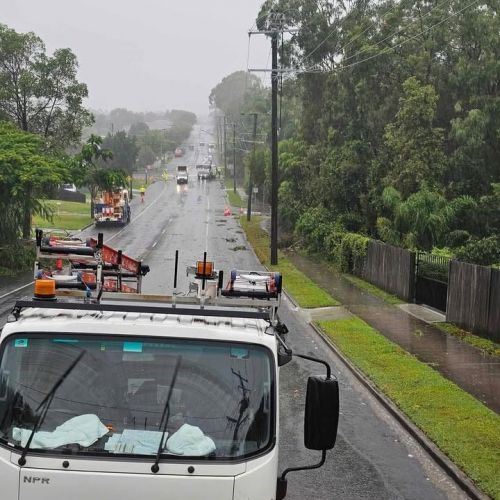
474 371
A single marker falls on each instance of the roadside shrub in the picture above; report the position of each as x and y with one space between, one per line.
484 252
353 253
313 227
17 258
333 241
457 238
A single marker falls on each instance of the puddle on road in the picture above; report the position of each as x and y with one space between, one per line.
230 240
473 370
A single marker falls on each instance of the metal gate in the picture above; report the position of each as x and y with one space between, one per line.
431 285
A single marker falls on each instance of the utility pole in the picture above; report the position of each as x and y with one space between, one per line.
274 148
234 158
275 26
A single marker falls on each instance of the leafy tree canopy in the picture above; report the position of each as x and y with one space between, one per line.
41 93
27 173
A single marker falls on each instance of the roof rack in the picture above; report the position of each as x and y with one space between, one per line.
149 304
91 264
252 294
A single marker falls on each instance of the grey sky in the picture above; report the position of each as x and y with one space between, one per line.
147 54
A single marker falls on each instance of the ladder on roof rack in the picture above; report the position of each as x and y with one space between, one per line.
91 265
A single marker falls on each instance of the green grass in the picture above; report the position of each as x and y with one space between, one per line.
372 289
67 215
234 198
485 345
467 431
138 182
304 291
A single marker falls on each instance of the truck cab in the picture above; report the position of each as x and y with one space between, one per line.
111 394
204 171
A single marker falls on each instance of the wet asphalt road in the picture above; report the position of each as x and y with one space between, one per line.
373 458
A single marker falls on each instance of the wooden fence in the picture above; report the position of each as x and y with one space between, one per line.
473 301
391 268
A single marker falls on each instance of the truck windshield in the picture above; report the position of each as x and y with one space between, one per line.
114 401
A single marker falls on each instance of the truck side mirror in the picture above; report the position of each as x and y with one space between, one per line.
321 413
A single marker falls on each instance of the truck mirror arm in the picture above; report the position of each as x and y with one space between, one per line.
281 485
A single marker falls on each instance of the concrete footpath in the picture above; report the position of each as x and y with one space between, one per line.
468 367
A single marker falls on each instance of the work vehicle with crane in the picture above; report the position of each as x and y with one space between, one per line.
112 208
106 392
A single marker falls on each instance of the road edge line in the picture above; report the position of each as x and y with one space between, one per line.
16 290
446 464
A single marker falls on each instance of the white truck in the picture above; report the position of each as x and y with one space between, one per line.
113 396
182 174
204 171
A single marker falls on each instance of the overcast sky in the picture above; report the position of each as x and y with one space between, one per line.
146 55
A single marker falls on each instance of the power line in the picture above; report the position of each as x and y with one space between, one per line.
388 49
395 33
384 51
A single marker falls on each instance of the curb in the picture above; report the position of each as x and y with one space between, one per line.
449 467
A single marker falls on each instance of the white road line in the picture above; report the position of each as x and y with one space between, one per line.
154 244
16 290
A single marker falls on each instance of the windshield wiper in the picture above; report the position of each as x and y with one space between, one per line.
166 415
46 402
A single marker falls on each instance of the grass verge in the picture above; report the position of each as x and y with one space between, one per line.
462 427
485 345
304 291
234 198
138 182
67 215
373 290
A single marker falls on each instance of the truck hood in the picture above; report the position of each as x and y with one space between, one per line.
36 484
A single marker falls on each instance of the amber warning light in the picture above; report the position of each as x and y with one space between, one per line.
205 269
45 289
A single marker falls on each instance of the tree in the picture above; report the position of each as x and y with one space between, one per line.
415 147
138 129
88 169
238 93
41 93
124 151
146 157
27 172
423 220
